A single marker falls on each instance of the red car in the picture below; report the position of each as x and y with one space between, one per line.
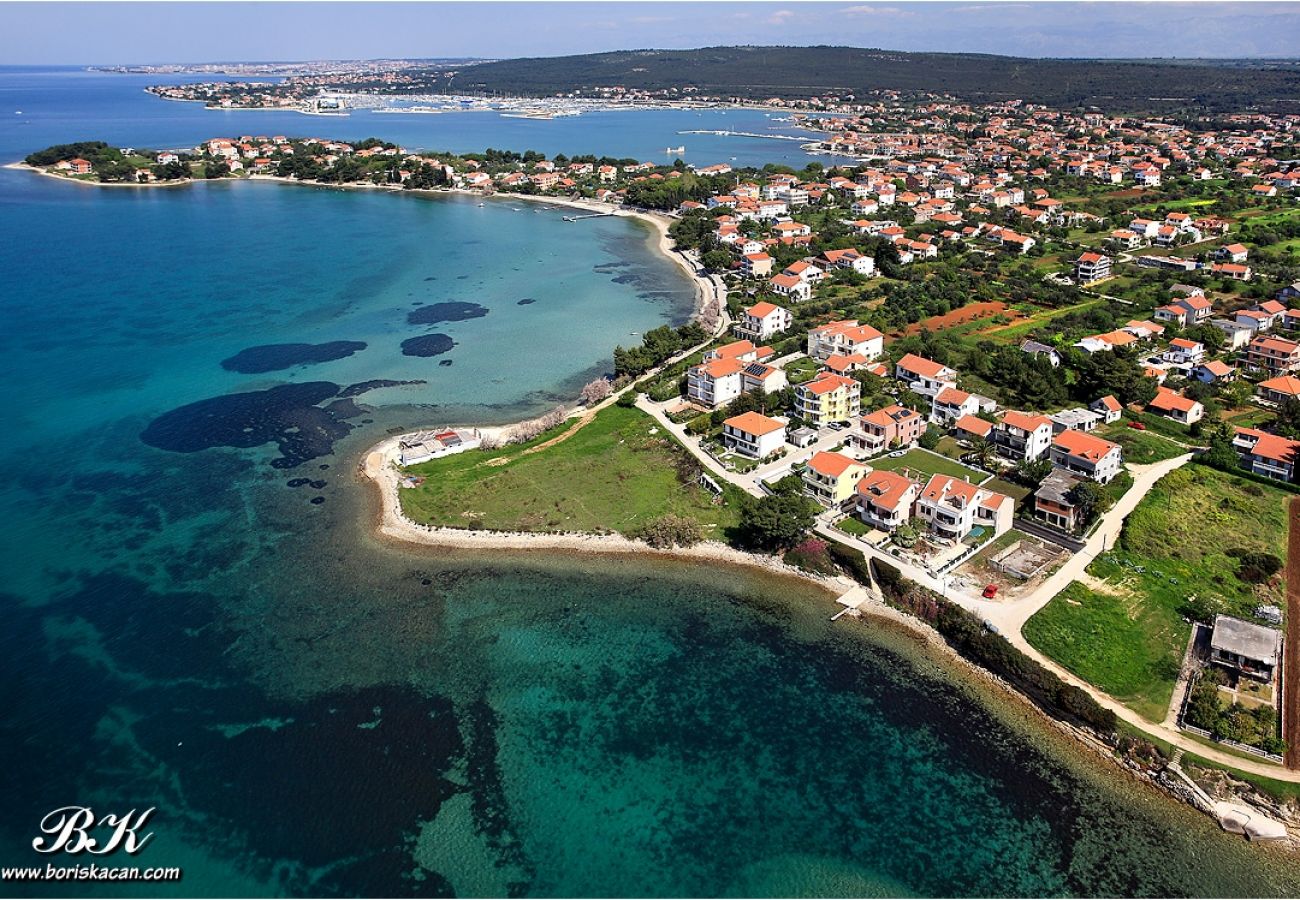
990 591
1137 425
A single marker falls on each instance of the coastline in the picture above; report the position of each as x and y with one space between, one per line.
36 170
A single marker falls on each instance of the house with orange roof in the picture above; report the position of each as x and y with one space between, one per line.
844 337
1091 267
1022 436
1236 253
1185 311
1235 271
1269 455
1173 405
971 429
924 376
953 508
950 404
1274 355
1108 408
753 434
1087 455
756 265
890 426
885 499
832 478
1214 372
1279 389
1184 352
828 398
762 321
849 259
1101 343
731 370
792 287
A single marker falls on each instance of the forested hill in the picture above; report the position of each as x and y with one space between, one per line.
799 72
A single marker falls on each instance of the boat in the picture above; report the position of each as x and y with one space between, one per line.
482 204
681 149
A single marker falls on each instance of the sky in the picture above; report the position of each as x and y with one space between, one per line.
114 33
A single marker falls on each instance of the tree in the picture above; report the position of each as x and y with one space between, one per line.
982 451
595 391
1033 471
777 522
716 260
907 534
930 438
1220 453
1089 498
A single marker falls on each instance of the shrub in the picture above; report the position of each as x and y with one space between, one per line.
811 555
852 561
671 531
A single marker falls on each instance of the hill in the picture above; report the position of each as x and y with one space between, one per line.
801 72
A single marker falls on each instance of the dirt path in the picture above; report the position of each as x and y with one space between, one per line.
1291 655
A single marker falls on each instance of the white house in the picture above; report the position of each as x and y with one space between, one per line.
1087 455
763 320
752 434
952 508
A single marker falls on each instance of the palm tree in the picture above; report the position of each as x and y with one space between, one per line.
982 452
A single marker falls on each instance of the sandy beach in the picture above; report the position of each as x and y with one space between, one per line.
66 179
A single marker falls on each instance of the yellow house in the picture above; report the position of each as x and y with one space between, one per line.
832 478
828 398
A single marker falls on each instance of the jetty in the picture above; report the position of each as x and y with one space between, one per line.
749 134
595 215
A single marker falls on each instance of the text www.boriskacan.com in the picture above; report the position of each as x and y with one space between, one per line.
90 872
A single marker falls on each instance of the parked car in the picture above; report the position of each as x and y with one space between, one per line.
1138 426
990 591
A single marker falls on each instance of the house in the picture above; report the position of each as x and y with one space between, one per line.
1091 267
832 478
79 166
845 337
1246 648
1266 454
754 435
1108 408
1101 343
1235 271
1143 330
850 259
1053 501
1214 372
1185 311
1087 455
885 499
1236 253
1022 436
1077 419
763 320
1235 336
805 271
1175 406
953 508
828 398
950 404
791 287
1182 352
924 376
892 426
1279 389
1277 356
732 370
1035 349
756 265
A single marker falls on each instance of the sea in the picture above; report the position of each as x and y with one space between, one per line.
202 622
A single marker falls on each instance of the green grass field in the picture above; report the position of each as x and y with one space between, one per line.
1140 447
1173 552
921 464
617 473
1013 334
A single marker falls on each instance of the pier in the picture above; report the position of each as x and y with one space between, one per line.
595 215
750 134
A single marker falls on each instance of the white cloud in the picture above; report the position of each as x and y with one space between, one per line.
780 17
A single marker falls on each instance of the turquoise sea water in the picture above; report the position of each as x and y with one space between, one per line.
312 711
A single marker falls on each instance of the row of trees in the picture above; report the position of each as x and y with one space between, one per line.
657 345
